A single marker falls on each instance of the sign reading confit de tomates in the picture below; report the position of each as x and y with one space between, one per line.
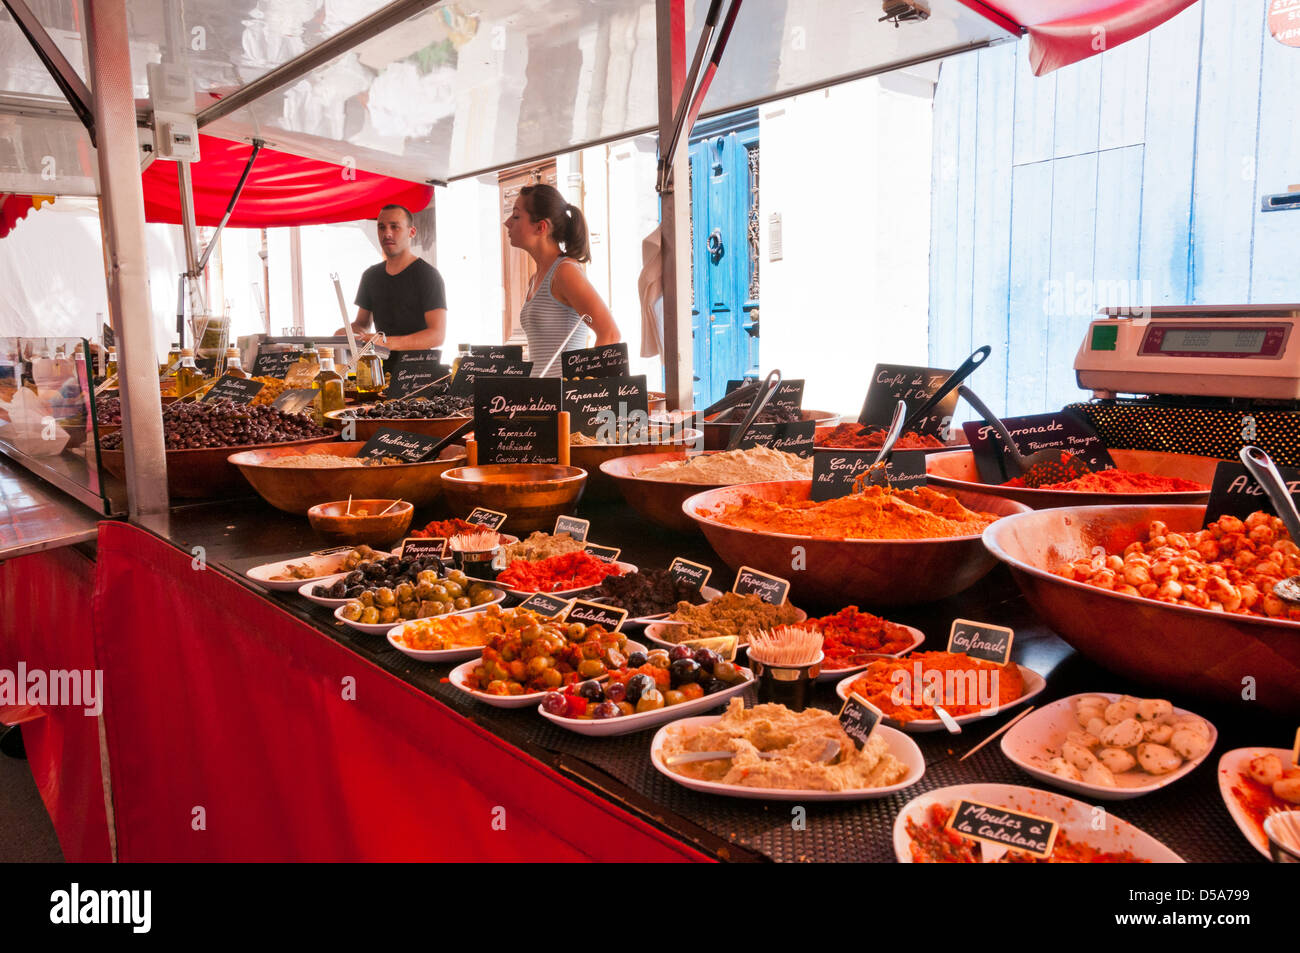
913 385
596 405
517 420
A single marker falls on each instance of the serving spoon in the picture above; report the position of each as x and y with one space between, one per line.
1040 468
1262 468
765 393
877 474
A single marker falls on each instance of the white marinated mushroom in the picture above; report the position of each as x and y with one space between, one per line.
1091 701
1122 734
1191 723
1097 773
1188 744
1088 714
1087 739
1063 769
1078 755
1117 760
1126 707
1155 709
1157 732
1157 759
1266 769
1096 726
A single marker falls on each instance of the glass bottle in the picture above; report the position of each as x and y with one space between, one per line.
462 352
370 375
111 367
328 386
173 358
234 366
188 377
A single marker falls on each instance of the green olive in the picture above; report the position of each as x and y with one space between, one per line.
352 611
454 589
426 577
591 668
552 678
369 616
651 700
367 598
389 614
482 597
462 603
405 592
385 597
673 698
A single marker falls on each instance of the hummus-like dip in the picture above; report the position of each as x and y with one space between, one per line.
755 465
798 737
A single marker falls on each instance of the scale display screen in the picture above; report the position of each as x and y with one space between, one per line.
1182 340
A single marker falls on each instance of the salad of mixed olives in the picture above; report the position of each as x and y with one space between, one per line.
425 595
534 653
649 681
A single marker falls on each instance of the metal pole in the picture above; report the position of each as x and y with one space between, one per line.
122 211
189 225
295 278
675 214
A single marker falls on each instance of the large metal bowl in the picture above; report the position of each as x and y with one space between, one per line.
601 486
957 469
1188 651
531 494
865 572
367 426
659 501
298 489
718 435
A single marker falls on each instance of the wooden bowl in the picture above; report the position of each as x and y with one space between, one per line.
298 489
329 521
205 473
957 469
531 494
1185 650
718 435
366 426
658 501
601 487
865 572
821 433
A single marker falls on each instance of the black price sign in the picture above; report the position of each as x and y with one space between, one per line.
608 360
606 554
796 438
517 421
992 643
387 442
788 399
239 390
424 547
597 408
412 370
834 471
498 352
1234 491
481 516
771 589
543 604
575 526
1005 828
274 363
694 575
593 613
1064 430
859 718
472 368
891 383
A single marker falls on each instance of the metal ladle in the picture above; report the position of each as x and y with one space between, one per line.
1262 468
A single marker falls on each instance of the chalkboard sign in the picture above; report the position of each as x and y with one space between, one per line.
858 718
1063 429
606 554
834 471
424 547
412 370
695 575
274 363
1009 829
593 613
517 421
891 383
482 516
796 438
239 390
498 352
575 526
543 604
608 360
771 589
1234 491
992 643
472 368
595 405
387 442
788 398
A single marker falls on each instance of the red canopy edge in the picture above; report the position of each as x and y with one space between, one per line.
283 189
14 206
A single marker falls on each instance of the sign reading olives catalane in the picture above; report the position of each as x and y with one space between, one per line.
1004 828
593 613
412 370
543 604
498 352
472 368
424 547
1063 429
834 471
913 385
771 589
387 442
575 526
274 363
607 360
859 718
606 554
239 390
695 575
992 643
482 516
517 421
796 438
599 405
1234 491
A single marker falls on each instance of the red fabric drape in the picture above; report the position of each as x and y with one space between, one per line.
219 701
15 206
282 189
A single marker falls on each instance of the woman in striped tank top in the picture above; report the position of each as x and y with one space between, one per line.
554 234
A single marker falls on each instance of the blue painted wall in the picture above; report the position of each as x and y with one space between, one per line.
1134 176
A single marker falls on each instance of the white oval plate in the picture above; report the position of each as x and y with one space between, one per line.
1029 742
1232 764
834 674
900 746
627 724
655 630
381 628
563 593
458 675
1075 817
261 574
305 591
432 655
1034 683
708 592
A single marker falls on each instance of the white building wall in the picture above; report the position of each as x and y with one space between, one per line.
469 260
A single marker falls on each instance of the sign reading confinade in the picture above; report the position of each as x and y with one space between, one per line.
517 421
836 471
1003 828
992 643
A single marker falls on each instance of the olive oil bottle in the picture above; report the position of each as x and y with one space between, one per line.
188 377
110 368
370 375
328 386
234 366
173 360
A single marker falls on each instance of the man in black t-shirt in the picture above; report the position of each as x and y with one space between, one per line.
403 294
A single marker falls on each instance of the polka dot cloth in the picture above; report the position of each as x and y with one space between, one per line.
1211 432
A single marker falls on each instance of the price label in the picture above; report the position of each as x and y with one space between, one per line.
424 547
593 613
412 370
858 718
517 421
1003 828
239 390
606 554
543 604
1062 430
573 525
836 471
788 398
481 516
608 360
992 643
695 575
387 442
472 368
1234 491
498 352
771 589
603 408
913 385
796 438
274 363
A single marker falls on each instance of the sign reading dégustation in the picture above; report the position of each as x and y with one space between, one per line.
607 360
992 643
594 405
517 420
771 589
388 442
913 385
1064 430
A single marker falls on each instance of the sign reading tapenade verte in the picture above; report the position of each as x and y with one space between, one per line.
834 471
543 604
914 385
238 390
575 526
796 437
607 360
771 589
411 370
858 717
606 554
472 368
1003 828
517 420
992 643
1063 429
482 516
498 352
424 547
274 363
387 442
694 575
593 613
599 405
1234 491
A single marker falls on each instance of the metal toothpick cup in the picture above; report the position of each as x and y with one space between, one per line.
479 563
788 685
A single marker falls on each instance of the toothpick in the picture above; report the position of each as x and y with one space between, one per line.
348 511
390 506
996 733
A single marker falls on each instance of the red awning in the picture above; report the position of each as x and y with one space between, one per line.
282 189
1065 31
14 207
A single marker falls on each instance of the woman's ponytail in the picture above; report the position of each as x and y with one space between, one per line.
576 244
568 226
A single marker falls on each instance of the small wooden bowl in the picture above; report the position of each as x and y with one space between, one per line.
329 521
531 494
